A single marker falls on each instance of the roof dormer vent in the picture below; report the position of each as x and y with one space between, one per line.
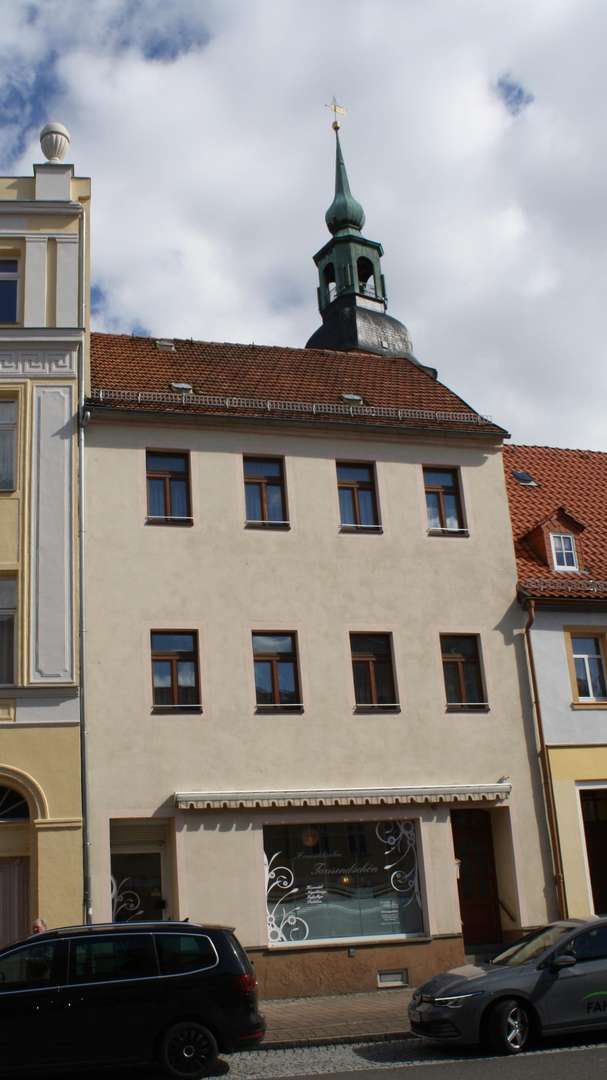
182 387
352 399
165 344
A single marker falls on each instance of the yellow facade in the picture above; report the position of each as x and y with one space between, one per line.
573 766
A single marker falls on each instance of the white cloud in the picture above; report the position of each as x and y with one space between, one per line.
212 172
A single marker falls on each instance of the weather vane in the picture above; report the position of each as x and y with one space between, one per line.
336 110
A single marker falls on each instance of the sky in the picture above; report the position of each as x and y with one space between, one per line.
475 139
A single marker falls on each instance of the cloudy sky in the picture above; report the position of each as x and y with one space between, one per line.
475 139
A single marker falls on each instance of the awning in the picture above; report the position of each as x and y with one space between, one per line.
396 796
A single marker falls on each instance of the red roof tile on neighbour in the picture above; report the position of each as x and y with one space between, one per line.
575 480
126 371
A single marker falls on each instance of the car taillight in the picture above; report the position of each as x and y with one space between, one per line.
247 983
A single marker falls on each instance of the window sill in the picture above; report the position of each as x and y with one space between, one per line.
361 709
448 532
175 522
469 706
594 704
172 709
278 708
356 530
280 526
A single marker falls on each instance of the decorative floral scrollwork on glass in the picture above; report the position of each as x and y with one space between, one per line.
399 840
126 903
284 923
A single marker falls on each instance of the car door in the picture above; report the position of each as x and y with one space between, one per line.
576 996
114 994
34 1020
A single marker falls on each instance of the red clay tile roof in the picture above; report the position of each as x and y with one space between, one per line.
251 380
571 480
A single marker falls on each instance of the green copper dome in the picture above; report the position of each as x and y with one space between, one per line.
345 212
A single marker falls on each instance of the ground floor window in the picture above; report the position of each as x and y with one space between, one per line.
342 880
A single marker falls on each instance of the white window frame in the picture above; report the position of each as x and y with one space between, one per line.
12 275
564 536
584 657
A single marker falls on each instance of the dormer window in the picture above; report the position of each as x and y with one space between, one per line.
563 551
9 278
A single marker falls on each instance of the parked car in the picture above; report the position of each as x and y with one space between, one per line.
552 982
174 993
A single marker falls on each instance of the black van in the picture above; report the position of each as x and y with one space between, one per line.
169 992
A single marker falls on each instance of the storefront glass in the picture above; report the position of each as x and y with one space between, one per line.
342 880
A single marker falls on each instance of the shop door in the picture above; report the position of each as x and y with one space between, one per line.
594 813
14 895
477 883
137 886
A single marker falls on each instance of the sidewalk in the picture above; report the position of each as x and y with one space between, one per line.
380 1014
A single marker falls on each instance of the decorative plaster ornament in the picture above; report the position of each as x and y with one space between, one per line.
54 140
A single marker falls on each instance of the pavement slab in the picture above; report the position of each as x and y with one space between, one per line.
312 1021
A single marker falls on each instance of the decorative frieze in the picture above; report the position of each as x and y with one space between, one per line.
32 363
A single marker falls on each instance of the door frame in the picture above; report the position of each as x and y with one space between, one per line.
580 786
147 849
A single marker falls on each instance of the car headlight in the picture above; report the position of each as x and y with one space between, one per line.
456 1001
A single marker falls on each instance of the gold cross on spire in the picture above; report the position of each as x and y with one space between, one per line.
336 110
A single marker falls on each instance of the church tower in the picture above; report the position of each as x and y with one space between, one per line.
352 291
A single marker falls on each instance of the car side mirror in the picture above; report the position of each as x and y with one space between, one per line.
565 960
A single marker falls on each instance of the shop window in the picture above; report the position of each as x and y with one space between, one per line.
342 880
372 669
357 496
9 283
8 605
265 495
8 445
168 484
276 674
175 669
462 671
443 501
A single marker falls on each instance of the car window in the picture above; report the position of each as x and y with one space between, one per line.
33 966
530 947
591 945
184 952
125 956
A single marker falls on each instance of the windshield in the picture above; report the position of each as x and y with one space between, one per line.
530 947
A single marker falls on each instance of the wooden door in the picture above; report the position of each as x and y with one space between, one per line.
594 813
14 900
477 884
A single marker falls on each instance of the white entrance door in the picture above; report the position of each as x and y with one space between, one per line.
14 900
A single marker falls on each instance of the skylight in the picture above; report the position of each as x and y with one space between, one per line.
352 399
524 478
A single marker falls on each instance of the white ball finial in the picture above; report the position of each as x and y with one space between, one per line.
54 140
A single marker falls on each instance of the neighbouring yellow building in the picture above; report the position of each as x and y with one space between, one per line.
43 319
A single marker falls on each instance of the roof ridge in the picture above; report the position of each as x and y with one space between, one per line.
554 449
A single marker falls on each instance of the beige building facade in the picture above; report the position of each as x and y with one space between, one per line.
43 316
330 833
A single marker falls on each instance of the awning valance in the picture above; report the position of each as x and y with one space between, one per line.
394 796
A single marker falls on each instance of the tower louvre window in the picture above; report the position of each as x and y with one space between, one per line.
366 277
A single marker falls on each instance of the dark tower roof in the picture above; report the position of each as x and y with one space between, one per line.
352 290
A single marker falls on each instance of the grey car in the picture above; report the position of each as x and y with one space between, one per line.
552 982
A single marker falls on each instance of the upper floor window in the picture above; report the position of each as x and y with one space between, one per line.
8 444
357 497
462 671
9 279
563 551
372 669
276 675
443 500
265 496
175 669
168 481
589 668
8 606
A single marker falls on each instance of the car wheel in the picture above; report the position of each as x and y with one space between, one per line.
509 1027
189 1050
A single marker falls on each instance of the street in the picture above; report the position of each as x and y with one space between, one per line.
573 1059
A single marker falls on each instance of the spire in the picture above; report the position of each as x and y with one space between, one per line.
345 212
